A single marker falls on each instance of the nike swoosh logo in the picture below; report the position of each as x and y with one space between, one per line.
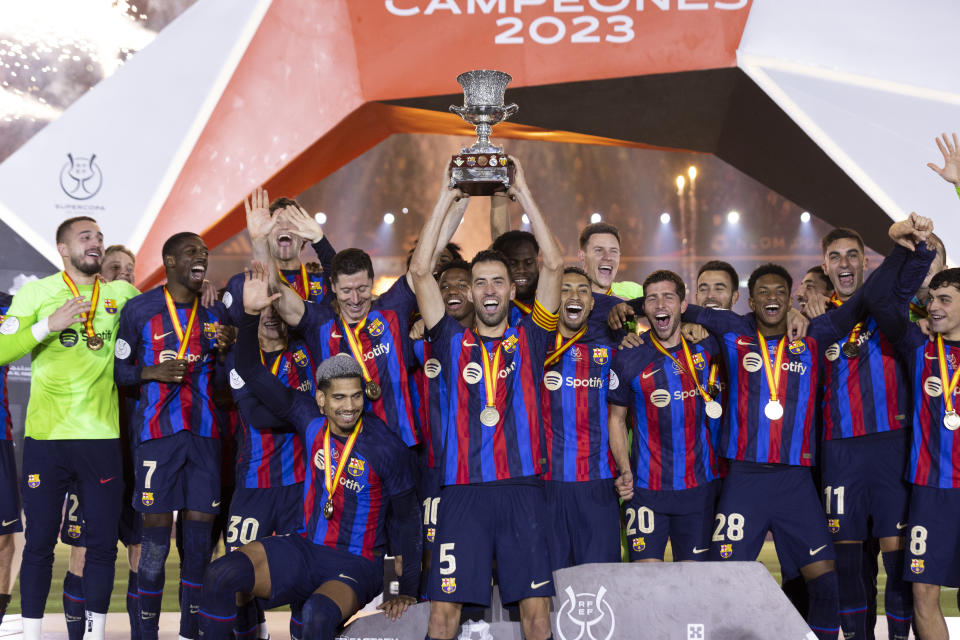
696 551
929 357
814 552
215 504
348 577
744 344
469 344
647 375
537 585
334 334
6 523
106 480
902 526
162 336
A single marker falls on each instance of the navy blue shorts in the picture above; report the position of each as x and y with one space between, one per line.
429 493
9 490
583 523
298 567
481 523
684 516
181 471
258 513
863 482
933 537
758 498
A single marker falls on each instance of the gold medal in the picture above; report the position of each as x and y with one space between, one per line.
328 509
372 389
330 483
94 343
489 417
713 390
851 350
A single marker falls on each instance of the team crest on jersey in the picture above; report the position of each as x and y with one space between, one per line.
356 467
639 544
601 355
431 534
376 328
834 525
209 330
448 585
726 550
300 358
698 361
33 480
510 344
797 347
316 288
147 498
916 565
110 306
73 531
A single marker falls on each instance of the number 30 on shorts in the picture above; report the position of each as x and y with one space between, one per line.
733 524
243 529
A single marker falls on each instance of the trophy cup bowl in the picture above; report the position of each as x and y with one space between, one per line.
482 168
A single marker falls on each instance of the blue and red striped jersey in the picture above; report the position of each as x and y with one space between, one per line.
147 337
672 448
229 421
512 448
430 399
574 401
865 394
384 341
272 455
748 434
5 420
519 310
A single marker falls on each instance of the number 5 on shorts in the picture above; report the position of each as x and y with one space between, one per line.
151 466
448 563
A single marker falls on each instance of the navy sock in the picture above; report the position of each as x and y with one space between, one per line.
4 601
154 548
853 596
296 621
73 605
196 557
824 616
248 621
133 605
321 617
224 578
898 596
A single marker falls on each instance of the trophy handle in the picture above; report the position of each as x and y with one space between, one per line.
458 110
509 110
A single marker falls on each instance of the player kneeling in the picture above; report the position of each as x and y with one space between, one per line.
361 470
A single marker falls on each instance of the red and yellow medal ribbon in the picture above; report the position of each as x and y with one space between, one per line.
344 458
949 383
182 336
276 363
855 334
561 347
521 306
353 339
305 294
94 298
772 380
491 371
689 369
712 381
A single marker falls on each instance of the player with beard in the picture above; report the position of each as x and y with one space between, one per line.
523 255
167 345
582 507
269 472
865 402
72 416
430 396
283 231
671 385
717 285
492 502
815 283
769 436
599 255
361 478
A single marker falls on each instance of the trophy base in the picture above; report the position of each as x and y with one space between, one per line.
480 174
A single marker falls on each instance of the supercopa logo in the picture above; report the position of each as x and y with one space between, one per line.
585 616
80 177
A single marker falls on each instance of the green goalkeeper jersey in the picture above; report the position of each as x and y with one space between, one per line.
72 392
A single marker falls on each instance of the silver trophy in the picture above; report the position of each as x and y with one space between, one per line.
482 169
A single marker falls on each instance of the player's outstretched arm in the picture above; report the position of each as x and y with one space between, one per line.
451 222
950 149
420 275
499 215
551 256
617 427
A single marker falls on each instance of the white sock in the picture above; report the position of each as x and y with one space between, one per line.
96 622
263 633
31 628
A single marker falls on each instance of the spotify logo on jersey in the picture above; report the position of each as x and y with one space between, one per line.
833 352
472 373
752 362
660 398
432 368
553 380
933 387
